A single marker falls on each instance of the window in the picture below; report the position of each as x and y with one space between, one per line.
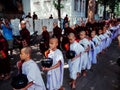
76 5
80 5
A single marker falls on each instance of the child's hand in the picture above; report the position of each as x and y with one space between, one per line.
43 68
46 69
77 56
23 89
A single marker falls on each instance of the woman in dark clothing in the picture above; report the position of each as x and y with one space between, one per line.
57 32
67 31
4 60
24 35
44 43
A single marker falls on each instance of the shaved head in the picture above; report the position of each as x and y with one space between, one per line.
53 43
71 35
27 50
54 40
83 32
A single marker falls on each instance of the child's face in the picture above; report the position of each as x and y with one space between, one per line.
54 24
104 29
93 34
71 39
82 35
53 44
23 25
43 28
73 27
66 25
23 56
100 32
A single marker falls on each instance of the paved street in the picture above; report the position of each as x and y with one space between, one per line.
103 76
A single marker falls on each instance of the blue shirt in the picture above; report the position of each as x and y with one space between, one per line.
7 33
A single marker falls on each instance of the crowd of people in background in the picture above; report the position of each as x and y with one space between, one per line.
87 40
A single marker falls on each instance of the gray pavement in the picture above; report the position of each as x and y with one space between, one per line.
103 76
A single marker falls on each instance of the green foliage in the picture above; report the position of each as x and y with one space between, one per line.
56 5
111 3
108 2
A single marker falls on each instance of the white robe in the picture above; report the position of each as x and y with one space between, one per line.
86 62
55 76
106 39
75 66
102 37
118 30
97 42
33 73
92 53
110 38
114 28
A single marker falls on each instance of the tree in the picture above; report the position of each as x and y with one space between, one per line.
110 3
57 4
91 10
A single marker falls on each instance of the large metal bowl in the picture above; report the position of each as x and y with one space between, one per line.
47 62
19 81
70 54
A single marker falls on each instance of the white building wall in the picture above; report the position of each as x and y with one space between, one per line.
44 8
26 6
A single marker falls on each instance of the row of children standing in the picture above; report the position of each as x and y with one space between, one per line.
87 48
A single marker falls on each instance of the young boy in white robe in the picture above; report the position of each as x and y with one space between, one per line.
86 44
108 32
75 63
98 40
30 68
105 28
102 37
113 28
55 72
110 36
95 50
118 33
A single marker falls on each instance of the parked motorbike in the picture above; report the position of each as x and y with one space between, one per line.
34 39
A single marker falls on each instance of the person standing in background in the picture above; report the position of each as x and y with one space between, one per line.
44 43
66 20
24 34
29 15
4 60
51 17
8 34
35 17
57 32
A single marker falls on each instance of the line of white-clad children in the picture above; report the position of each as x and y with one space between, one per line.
86 51
88 48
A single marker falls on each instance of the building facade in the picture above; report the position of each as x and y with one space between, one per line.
44 8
